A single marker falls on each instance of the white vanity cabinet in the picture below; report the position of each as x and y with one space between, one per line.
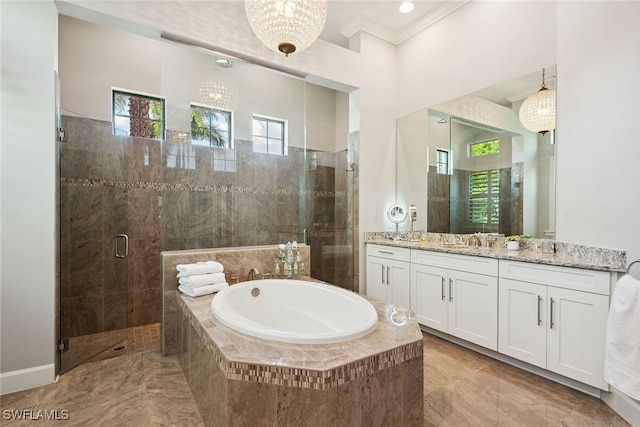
555 318
388 274
456 294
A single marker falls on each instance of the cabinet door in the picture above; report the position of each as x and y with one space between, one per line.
377 279
473 308
522 321
576 334
398 276
429 296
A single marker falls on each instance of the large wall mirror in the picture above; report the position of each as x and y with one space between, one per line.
471 166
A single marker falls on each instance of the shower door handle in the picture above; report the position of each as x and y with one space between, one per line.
125 239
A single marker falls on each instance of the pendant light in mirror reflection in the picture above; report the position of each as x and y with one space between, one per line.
538 112
286 26
217 89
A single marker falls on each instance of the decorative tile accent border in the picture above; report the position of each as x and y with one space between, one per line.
322 380
216 189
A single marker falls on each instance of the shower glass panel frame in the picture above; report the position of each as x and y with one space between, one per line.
94 242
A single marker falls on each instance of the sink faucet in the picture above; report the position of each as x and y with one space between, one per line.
252 273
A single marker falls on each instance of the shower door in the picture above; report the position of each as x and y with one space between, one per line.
94 246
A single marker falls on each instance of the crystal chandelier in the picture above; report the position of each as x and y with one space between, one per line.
538 112
286 26
215 89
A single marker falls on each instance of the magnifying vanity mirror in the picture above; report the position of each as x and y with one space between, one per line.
397 214
472 167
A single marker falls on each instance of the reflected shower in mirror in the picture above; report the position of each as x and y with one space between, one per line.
472 166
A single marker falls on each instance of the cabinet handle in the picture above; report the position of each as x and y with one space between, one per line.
385 252
383 281
388 279
442 288
450 289
539 310
551 314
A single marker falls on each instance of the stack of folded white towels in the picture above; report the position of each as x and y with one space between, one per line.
202 278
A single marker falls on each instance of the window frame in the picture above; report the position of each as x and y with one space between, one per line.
230 144
285 134
472 144
140 95
449 163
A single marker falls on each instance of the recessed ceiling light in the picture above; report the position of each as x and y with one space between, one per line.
406 7
224 63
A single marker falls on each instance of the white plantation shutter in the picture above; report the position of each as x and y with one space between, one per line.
484 197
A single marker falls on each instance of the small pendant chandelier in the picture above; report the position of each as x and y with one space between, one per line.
286 26
215 89
538 112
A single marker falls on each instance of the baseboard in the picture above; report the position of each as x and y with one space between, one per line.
626 407
24 379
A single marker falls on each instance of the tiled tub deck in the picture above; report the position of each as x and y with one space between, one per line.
240 380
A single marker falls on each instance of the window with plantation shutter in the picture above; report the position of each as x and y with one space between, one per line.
484 197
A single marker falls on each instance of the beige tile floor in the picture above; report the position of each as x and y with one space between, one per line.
465 388
462 388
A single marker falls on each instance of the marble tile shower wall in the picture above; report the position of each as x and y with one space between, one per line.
438 201
261 202
108 186
331 233
171 195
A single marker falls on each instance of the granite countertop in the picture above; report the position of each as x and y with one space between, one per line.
539 252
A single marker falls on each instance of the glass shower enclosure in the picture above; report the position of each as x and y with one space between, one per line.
124 199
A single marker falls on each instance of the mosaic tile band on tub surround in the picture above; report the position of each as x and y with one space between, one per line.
322 380
292 376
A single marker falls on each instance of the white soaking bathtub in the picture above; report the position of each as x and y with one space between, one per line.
294 311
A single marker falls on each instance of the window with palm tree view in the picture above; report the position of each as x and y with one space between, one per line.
138 115
211 127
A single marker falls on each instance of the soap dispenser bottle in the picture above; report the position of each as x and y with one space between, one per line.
300 264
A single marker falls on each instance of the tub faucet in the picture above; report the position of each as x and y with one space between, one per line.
252 273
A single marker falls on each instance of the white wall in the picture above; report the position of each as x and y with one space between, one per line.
28 204
477 46
598 136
